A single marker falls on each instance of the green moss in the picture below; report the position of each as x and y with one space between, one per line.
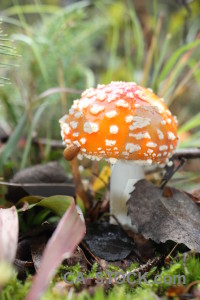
15 289
188 266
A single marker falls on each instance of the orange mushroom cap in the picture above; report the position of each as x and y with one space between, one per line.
121 120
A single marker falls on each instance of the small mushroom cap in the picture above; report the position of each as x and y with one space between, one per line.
121 120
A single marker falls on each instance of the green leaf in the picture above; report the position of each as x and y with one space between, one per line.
191 124
36 51
13 140
137 29
160 61
34 123
174 58
58 204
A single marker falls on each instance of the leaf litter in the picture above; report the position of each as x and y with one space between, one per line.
110 243
45 180
163 215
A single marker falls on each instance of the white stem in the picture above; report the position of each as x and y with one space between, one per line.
124 175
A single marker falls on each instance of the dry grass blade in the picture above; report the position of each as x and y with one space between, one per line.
151 52
184 81
56 90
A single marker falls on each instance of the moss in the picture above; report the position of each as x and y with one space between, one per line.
188 266
15 289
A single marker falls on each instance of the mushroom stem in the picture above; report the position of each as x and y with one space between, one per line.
124 175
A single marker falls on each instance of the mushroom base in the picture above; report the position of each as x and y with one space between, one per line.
124 175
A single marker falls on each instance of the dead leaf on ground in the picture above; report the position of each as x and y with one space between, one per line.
22 267
195 196
45 180
144 248
175 291
161 218
108 241
37 244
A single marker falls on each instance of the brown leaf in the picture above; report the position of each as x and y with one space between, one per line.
45 180
174 291
22 267
145 248
195 196
61 288
159 218
167 192
37 247
8 233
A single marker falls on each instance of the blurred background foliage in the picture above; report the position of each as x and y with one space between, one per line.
64 47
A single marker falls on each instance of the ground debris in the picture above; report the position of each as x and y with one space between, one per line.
163 215
44 180
108 241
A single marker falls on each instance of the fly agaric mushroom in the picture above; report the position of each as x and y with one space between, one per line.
126 124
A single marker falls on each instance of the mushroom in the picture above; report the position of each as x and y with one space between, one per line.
126 124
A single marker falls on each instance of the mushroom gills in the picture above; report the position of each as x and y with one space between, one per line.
124 175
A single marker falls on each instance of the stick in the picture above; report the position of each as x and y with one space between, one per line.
189 153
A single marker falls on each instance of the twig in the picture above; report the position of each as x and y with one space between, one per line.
170 173
191 285
92 255
167 258
144 268
190 153
52 143
56 90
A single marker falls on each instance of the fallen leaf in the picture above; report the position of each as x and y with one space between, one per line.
174 291
78 258
8 233
30 248
68 234
108 241
195 196
61 288
23 267
37 248
175 218
144 248
44 180
51 172
102 180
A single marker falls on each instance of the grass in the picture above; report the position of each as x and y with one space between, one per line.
6 50
60 50
76 47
